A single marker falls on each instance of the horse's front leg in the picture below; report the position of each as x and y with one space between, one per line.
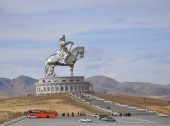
46 68
71 70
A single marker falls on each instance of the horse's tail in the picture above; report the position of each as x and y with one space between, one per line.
46 67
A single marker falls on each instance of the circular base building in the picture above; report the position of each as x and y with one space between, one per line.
63 84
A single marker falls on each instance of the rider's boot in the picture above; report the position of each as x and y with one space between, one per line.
65 59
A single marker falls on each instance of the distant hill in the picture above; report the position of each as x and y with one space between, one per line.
102 83
105 84
168 86
21 85
5 87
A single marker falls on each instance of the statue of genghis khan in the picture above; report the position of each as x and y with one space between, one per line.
62 51
63 57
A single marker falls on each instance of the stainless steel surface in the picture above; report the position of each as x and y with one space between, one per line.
63 57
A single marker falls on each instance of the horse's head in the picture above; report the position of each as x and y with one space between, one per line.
81 51
78 52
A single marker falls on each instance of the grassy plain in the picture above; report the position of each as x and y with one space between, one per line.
64 103
160 105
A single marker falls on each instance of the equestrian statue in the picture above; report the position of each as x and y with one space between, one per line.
63 57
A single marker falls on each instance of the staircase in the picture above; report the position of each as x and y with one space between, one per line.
111 107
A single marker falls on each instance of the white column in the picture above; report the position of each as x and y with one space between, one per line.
68 86
64 88
59 86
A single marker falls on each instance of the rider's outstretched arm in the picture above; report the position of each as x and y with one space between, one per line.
70 42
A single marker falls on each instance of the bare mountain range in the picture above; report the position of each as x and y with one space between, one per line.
24 85
105 84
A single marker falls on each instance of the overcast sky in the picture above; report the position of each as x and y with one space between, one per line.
128 40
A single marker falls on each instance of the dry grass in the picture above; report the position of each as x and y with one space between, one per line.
155 104
62 103
2 97
5 116
59 102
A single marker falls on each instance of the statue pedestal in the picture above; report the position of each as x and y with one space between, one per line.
64 84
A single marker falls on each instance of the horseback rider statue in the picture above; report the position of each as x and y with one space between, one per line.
62 51
63 57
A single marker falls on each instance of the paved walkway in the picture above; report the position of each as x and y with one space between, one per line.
74 121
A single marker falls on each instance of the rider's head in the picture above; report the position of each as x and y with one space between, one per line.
62 38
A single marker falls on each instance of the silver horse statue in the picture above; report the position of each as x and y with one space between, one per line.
55 59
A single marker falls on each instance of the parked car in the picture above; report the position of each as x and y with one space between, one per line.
108 119
99 117
95 115
85 120
31 116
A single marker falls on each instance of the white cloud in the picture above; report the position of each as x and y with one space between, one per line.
144 70
112 75
45 20
109 51
23 61
9 54
39 6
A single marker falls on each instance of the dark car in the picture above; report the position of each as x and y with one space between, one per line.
108 119
101 116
